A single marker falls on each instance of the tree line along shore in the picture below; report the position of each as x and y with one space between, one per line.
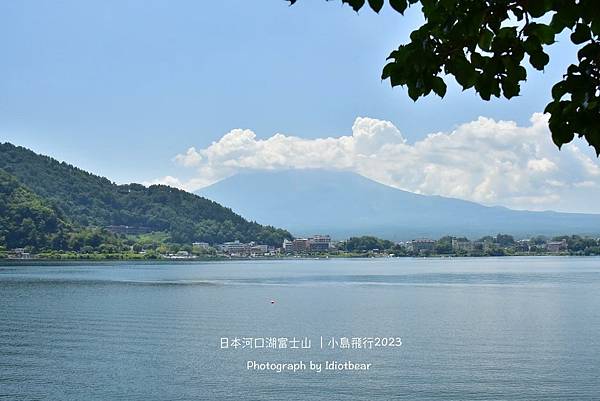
158 246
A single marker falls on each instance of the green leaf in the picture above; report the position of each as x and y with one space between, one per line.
589 51
510 88
561 132
596 26
581 34
478 60
439 86
485 39
507 32
558 23
485 86
544 32
537 8
376 5
392 71
355 4
559 90
516 71
532 45
399 5
463 71
413 93
539 60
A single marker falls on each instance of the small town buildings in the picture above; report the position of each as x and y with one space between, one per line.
406 246
244 249
556 246
300 245
319 243
422 245
288 246
180 255
522 245
258 249
233 247
486 245
461 245
201 245
19 253
316 243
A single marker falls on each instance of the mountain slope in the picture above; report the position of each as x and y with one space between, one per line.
344 204
89 200
25 218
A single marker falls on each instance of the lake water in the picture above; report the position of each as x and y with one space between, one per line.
471 329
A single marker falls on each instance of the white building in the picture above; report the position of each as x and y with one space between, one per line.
461 245
423 245
288 246
234 247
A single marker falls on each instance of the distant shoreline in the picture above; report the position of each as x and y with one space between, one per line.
55 261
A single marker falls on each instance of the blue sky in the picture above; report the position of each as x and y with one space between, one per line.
121 87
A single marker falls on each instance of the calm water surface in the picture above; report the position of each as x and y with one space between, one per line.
472 329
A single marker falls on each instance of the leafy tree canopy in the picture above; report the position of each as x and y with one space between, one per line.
484 44
366 243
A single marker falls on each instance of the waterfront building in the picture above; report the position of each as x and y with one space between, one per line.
556 246
461 245
300 245
316 243
288 246
233 247
319 243
523 245
19 253
179 255
423 245
258 249
240 248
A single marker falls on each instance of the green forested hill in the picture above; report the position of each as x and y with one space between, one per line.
84 200
25 218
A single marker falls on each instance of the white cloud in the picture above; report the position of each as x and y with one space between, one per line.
188 185
190 158
542 165
487 161
166 180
